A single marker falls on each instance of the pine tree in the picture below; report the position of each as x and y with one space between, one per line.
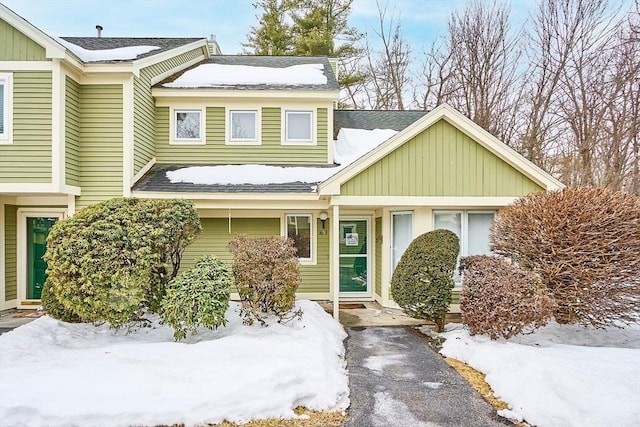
273 36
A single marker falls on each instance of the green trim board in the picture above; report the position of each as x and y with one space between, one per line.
72 132
216 151
10 233
440 161
15 46
101 139
28 158
215 238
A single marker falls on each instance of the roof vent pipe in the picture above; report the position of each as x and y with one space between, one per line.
99 28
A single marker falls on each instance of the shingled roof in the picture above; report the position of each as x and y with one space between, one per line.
100 43
155 180
270 62
374 119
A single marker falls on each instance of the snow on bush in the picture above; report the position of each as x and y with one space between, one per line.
97 376
584 243
197 297
266 274
501 299
422 281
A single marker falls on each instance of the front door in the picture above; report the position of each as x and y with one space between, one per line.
37 232
354 257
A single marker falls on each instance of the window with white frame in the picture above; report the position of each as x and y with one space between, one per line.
298 126
401 235
471 227
5 108
243 125
187 125
299 228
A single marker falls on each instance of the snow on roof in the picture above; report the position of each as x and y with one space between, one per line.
117 54
211 75
349 147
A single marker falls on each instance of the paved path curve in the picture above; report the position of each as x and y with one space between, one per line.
396 379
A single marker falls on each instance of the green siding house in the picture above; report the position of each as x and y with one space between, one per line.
255 142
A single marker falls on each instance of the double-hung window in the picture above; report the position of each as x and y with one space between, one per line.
471 227
5 108
243 126
188 126
298 126
299 228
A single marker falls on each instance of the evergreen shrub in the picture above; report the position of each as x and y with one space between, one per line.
422 281
197 297
110 262
266 274
501 299
584 243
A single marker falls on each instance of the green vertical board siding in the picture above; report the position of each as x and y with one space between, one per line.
455 296
72 132
215 151
144 110
378 256
15 46
28 158
10 252
440 161
215 237
100 143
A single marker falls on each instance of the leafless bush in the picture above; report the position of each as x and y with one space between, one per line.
585 245
501 299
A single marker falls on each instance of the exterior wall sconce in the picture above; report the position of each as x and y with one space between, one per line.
323 219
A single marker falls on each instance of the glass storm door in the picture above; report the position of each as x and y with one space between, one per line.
354 257
37 232
401 235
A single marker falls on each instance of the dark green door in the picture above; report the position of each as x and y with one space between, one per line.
354 256
37 231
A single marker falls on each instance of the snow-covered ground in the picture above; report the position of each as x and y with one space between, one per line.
60 374
561 375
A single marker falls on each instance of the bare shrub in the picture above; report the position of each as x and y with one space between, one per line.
501 299
584 243
266 274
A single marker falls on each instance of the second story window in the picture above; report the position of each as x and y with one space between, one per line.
188 125
5 108
298 126
243 125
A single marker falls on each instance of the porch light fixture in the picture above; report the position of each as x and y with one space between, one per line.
323 218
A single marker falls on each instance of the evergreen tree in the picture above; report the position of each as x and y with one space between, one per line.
273 36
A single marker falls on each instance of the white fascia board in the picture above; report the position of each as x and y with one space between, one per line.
53 48
412 201
448 113
160 93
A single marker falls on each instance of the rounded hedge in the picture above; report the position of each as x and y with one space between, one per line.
422 281
197 297
111 261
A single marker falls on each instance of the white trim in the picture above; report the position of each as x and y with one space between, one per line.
443 201
71 189
256 140
39 201
284 232
174 140
71 204
249 94
6 79
369 255
3 282
312 141
392 235
58 161
26 65
334 260
143 171
329 141
17 188
128 111
238 197
21 246
444 111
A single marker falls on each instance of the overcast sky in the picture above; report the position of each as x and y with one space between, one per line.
229 20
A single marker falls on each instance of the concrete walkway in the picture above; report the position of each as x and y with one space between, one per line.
396 379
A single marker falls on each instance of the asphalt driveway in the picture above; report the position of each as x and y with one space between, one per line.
396 379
